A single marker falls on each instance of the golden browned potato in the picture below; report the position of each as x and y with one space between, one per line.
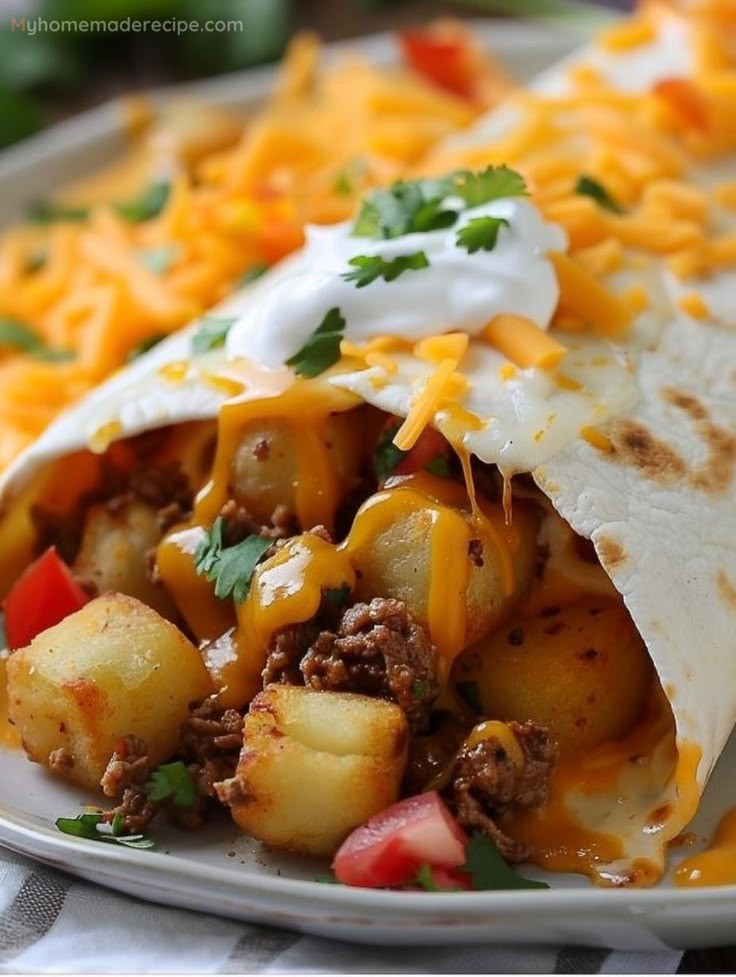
581 669
314 766
114 668
400 556
113 551
273 455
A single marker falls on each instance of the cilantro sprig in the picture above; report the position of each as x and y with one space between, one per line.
322 349
388 456
588 187
488 870
144 346
94 827
22 339
370 267
430 205
172 781
230 568
480 234
211 333
147 205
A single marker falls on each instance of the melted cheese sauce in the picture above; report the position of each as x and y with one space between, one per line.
716 865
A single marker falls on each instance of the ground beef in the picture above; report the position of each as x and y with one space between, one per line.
210 744
486 784
125 776
165 488
376 649
239 524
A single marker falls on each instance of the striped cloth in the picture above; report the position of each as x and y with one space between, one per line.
51 922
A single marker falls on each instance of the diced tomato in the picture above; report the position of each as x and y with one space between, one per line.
431 447
43 595
685 100
444 59
445 878
392 846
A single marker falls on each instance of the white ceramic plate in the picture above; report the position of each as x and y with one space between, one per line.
219 870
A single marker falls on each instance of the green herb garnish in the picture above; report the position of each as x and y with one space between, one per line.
48 212
470 693
430 205
230 568
438 466
145 346
480 234
252 274
337 595
88 825
327 879
425 879
420 689
588 187
388 456
343 185
322 349
487 869
148 205
172 781
18 336
370 267
211 333
159 260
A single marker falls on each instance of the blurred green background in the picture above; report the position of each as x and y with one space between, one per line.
47 75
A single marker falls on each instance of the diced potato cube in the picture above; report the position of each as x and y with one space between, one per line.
114 668
315 765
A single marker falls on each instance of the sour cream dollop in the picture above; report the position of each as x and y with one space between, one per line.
457 291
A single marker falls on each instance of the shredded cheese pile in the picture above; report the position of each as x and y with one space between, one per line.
97 289
642 149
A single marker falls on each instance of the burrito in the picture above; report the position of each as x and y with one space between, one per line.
435 517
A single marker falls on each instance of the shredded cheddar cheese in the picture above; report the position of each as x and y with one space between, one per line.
424 406
524 342
694 305
238 198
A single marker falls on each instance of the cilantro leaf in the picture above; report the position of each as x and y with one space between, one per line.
430 205
438 466
588 187
144 346
420 689
426 880
492 183
488 870
230 568
48 212
480 233
322 349
337 595
388 456
87 826
343 185
172 781
210 334
147 205
252 274
370 267
327 879
470 693
159 260
20 337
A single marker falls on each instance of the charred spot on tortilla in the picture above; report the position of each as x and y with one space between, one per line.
610 552
715 474
726 588
635 445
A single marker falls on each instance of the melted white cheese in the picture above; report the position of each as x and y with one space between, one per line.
457 291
